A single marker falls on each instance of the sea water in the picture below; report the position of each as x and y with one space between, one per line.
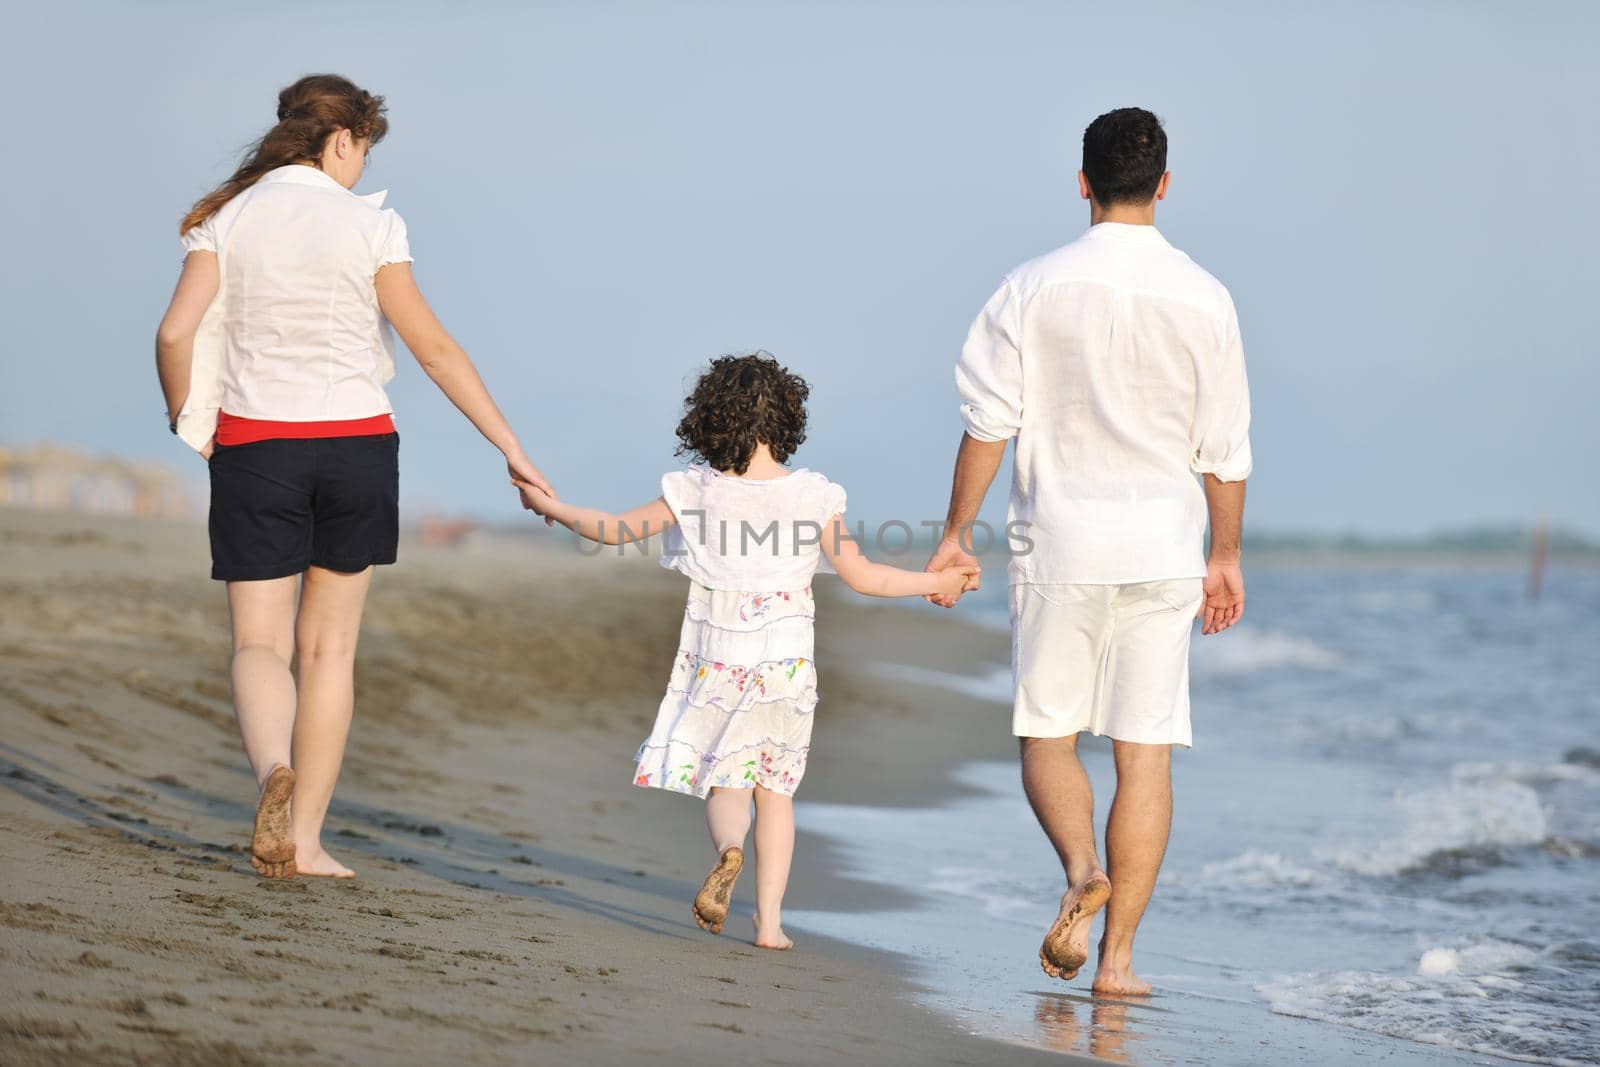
1386 842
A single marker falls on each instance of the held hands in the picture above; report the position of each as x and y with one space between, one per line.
536 499
952 582
522 470
951 556
1223 603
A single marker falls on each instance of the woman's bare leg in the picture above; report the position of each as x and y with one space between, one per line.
774 853
728 819
262 616
326 632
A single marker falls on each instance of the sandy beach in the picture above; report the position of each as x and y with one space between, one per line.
518 900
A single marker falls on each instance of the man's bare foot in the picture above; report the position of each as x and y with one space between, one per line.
711 903
1066 946
772 937
1115 976
272 846
316 863
1119 982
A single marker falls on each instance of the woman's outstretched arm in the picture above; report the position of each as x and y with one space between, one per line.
448 365
880 579
640 524
197 286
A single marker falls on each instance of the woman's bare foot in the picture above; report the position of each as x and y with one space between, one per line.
711 903
272 845
1066 946
316 863
772 937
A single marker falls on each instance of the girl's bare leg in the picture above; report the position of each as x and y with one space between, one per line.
326 632
728 819
262 616
774 853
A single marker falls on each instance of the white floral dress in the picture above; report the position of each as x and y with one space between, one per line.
738 708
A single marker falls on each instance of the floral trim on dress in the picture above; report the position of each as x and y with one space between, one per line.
706 682
769 763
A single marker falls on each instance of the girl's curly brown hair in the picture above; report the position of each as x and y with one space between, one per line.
740 402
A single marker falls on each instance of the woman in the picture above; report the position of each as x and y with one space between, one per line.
273 356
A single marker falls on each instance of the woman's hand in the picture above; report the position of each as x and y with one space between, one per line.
211 446
522 470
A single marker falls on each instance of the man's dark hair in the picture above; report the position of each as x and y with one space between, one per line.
1124 156
740 402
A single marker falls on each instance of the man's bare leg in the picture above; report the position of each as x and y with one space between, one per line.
1136 841
1063 802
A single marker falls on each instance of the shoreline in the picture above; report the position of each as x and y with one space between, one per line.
517 894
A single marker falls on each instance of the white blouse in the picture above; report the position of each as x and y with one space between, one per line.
294 333
745 534
1116 364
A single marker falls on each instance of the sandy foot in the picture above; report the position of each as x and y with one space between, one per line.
316 863
1066 946
711 903
773 938
271 846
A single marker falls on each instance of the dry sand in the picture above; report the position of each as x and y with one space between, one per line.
518 899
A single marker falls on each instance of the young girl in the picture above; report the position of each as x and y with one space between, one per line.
735 723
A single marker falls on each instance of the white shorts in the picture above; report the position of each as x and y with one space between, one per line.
1110 659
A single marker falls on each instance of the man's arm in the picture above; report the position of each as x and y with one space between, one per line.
1224 584
976 464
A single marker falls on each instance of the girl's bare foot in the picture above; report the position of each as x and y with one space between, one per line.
313 861
1066 946
772 937
711 903
272 846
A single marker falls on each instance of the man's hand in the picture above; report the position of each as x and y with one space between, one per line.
1223 604
211 446
951 554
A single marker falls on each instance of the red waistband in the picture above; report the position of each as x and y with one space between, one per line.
232 430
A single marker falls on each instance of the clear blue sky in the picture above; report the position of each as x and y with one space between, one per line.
1400 196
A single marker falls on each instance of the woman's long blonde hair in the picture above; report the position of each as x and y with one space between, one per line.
309 111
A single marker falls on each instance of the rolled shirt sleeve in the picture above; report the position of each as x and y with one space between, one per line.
1221 437
989 372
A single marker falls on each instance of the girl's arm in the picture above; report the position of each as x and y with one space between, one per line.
880 579
640 524
197 286
447 364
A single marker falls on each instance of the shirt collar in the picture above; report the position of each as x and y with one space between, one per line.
1126 231
300 174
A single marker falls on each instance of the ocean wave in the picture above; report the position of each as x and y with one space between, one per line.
1485 996
1461 827
1252 869
1246 651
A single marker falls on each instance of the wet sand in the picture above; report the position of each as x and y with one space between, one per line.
518 899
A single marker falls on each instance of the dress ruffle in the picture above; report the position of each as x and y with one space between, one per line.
738 707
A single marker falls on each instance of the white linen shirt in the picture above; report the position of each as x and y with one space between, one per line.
294 333
1116 364
753 535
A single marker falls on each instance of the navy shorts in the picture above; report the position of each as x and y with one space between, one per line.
280 506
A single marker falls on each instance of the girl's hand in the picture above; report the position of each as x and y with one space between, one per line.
953 581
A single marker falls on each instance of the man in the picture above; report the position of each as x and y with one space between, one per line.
1116 364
